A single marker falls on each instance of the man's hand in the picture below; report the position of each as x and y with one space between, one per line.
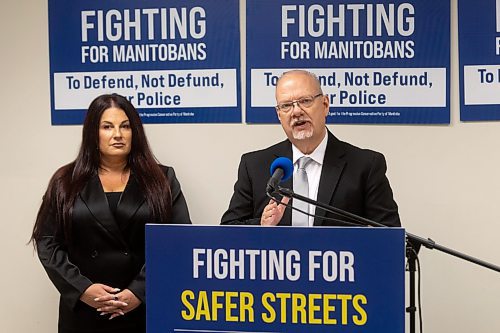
273 212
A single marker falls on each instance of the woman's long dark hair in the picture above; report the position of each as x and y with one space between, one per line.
69 180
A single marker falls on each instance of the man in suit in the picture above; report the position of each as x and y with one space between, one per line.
336 173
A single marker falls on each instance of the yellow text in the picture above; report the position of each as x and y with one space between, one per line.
229 306
321 309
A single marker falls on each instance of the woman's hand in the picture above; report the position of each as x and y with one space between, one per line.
124 297
104 298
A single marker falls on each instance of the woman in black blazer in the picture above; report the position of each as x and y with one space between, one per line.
89 232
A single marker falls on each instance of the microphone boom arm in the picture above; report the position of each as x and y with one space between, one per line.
360 220
428 243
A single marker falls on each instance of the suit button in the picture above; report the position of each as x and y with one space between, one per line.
94 254
125 253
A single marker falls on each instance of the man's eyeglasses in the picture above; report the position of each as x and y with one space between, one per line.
304 102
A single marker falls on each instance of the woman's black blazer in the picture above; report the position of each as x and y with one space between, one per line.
103 249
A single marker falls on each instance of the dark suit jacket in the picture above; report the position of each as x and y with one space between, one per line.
352 179
103 249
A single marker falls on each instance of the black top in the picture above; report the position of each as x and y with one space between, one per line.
113 199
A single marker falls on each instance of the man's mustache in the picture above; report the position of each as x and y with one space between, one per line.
293 122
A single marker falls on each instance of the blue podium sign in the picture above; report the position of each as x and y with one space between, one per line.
283 279
177 61
384 61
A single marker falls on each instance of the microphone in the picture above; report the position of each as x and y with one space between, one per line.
281 169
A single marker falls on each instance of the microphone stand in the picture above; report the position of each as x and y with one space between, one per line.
413 242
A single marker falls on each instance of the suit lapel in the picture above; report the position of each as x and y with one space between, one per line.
285 150
95 199
333 165
132 198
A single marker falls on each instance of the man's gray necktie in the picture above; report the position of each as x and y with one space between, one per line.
301 186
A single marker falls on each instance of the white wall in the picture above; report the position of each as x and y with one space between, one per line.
446 180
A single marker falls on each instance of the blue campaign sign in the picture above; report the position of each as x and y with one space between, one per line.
378 61
283 279
479 54
177 61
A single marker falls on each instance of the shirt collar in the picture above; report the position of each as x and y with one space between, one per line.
317 155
